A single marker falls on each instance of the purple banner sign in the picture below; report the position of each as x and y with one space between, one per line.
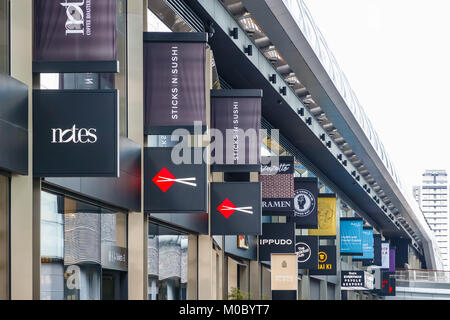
391 260
70 30
174 85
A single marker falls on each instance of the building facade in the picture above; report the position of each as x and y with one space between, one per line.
80 227
433 197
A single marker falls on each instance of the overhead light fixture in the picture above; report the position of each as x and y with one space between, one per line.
249 50
273 78
309 121
234 33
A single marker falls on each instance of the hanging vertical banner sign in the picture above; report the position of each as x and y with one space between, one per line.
388 284
367 242
174 81
283 276
276 238
70 30
75 133
385 255
236 143
326 262
351 230
391 260
307 249
277 179
174 188
377 249
306 203
235 208
357 280
326 216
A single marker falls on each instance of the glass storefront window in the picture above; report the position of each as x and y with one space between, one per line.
83 250
167 264
4 237
4 36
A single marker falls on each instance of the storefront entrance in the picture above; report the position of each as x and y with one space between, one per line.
114 285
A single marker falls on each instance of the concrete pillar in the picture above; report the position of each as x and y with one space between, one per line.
206 268
266 290
305 289
255 280
323 290
192 269
137 222
22 232
232 275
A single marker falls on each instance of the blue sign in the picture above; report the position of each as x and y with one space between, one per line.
351 230
368 245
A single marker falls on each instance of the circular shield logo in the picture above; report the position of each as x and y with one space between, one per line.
303 252
304 203
322 257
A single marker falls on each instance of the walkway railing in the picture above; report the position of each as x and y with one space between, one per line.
423 275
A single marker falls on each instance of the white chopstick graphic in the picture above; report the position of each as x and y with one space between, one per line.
182 180
241 209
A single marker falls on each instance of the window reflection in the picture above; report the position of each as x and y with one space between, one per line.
167 266
83 251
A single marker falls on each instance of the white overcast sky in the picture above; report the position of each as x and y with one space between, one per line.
396 56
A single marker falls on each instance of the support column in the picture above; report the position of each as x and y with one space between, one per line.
206 268
305 288
137 222
22 262
323 290
255 280
192 270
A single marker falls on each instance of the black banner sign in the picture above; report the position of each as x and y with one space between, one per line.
305 203
172 188
231 111
388 284
307 248
352 280
326 262
75 30
276 238
277 165
235 208
174 81
75 133
277 178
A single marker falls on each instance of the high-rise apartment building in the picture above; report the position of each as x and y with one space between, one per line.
433 198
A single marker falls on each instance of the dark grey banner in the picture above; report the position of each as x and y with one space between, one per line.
174 82
305 203
82 30
75 133
307 249
326 262
237 115
276 238
235 208
172 188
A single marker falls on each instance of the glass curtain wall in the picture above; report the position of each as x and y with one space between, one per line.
4 36
83 250
167 263
4 237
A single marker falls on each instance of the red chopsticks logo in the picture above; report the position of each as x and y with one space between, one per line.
227 208
164 180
